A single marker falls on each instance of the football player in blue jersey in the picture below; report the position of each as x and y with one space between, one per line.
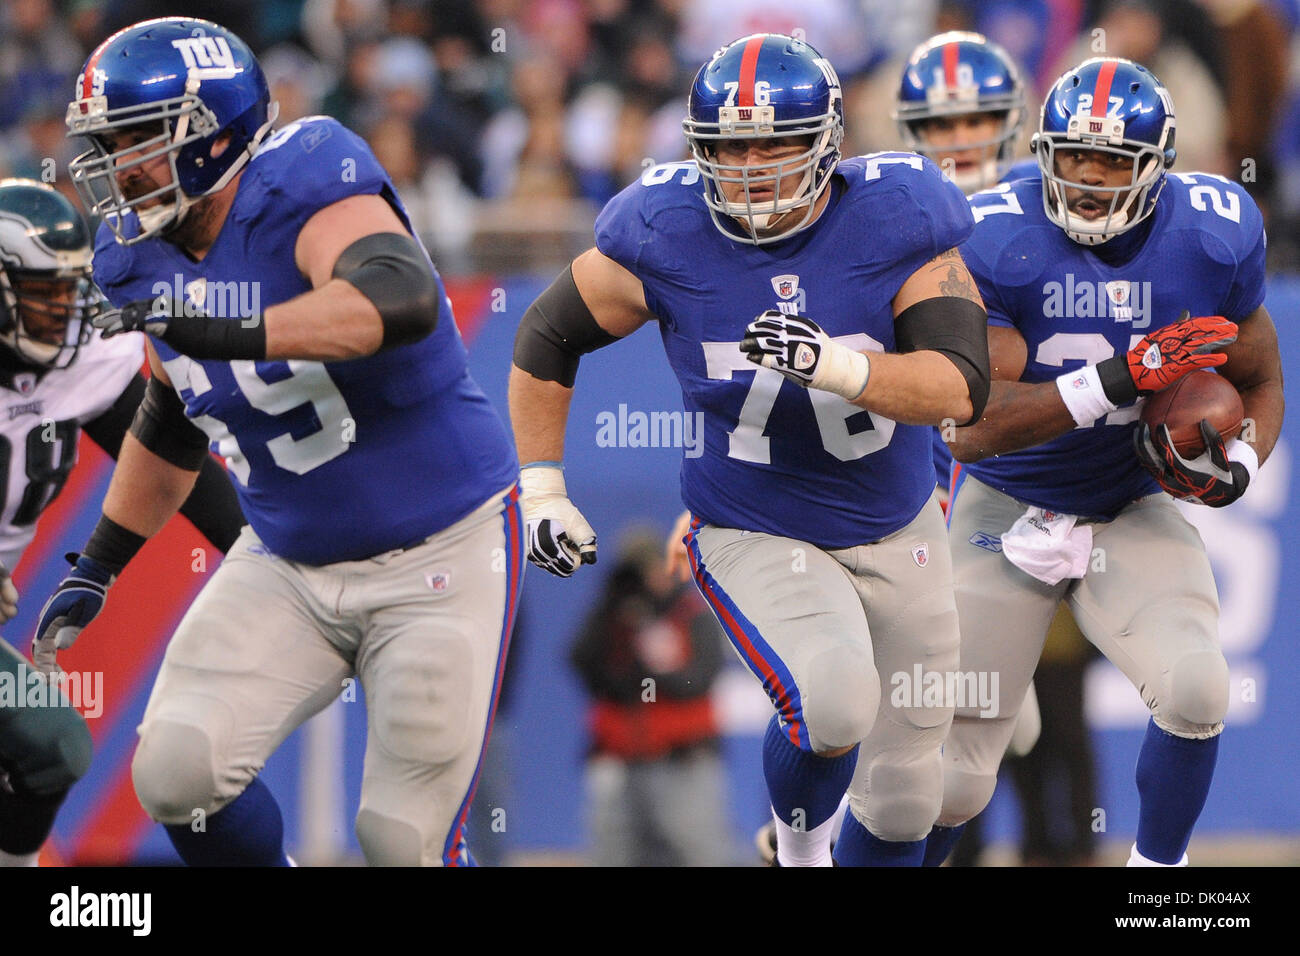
58 377
961 102
298 328
1107 280
817 315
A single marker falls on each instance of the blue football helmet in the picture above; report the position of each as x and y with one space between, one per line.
46 297
959 74
168 87
760 87
1112 106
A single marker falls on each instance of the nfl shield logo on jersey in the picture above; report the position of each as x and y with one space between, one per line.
787 287
921 555
24 383
197 293
1118 293
438 581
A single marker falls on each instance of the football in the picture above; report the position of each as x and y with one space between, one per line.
1181 406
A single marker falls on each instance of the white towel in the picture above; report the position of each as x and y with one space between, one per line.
1048 545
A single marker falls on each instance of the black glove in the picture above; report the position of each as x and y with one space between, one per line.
1211 478
188 330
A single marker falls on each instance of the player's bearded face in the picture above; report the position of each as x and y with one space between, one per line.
1090 167
771 174
136 175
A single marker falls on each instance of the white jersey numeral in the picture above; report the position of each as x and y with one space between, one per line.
664 172
990 202
1226 204
307 383
874 163
747 441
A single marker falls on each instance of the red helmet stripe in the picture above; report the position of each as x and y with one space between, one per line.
88 77
1101 95
748 67
950 65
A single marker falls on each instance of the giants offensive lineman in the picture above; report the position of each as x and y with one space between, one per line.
816 538
1143 246
379 484
57 378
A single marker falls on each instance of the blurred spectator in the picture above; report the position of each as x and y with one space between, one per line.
39 58
615 129
298 81
1253 39
333 28
648 656
441 208
523 146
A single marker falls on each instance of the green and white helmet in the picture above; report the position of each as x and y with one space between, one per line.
46 295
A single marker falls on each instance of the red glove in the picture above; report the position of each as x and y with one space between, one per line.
1165 356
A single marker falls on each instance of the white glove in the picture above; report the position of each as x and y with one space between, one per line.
797 347
559 537
8 596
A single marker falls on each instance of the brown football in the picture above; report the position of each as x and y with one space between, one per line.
1181 406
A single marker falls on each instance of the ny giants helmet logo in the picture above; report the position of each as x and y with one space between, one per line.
209 56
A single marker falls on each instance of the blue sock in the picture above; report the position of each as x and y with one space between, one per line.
246 832
1173 780
799 780
858 847
940 843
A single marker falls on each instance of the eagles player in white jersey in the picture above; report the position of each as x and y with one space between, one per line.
57 377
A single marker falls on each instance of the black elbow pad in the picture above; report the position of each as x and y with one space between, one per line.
160 424
390 270
958 328
556 330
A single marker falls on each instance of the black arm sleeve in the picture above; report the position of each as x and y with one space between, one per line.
957 328
212 506
557 329
390 270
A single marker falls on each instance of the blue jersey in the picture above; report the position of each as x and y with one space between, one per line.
1077 305
778 458
334 461
1024 169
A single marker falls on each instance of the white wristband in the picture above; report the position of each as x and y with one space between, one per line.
1083 395
842 370
1238 450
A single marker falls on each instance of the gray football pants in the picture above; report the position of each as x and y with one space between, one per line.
1148 602
834 636
269 642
